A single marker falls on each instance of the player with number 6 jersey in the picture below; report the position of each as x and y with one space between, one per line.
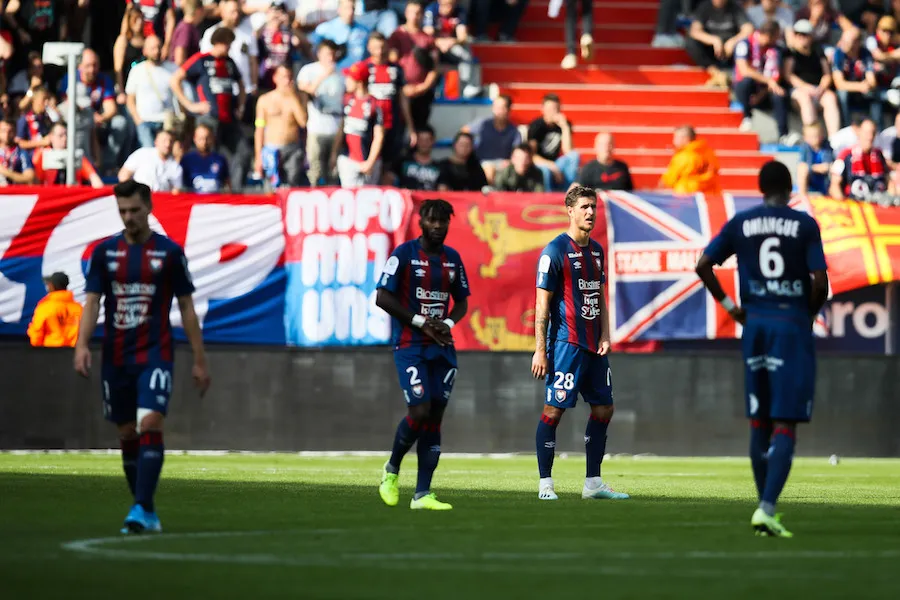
417 284
138 272
571 326
784 284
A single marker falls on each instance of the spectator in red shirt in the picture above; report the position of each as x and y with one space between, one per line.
363 133
274 45
33 126
414 49
861 170
186 37
84 173
159 19
15 164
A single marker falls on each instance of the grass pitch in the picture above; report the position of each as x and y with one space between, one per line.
283 526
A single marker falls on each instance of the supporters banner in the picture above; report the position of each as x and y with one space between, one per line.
234 245
337 242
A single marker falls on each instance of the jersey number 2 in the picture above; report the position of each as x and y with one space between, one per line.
413 375
771 263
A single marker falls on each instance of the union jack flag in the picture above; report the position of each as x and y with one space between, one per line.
654 243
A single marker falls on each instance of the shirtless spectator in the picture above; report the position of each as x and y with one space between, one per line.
279 118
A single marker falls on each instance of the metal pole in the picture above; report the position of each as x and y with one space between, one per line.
70 128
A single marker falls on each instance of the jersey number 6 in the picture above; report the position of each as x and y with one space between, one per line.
771 263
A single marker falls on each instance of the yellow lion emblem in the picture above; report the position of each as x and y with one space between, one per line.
504 240
495 334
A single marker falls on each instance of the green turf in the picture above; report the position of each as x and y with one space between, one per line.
291 527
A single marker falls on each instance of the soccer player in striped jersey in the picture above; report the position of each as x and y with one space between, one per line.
571 327
138 272
416 286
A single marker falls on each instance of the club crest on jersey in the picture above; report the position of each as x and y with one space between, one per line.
452 275
418 391
113 265
156 264
560 395
420 272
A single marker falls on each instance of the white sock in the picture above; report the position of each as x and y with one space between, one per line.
545 482
593 482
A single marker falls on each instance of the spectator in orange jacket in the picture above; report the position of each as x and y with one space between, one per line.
694 168
56 317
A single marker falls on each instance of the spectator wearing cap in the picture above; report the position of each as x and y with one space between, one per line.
853 71
520 175
344 30
717 28
56 317
807 72
416 53
322 88
15 163
885 52
363 133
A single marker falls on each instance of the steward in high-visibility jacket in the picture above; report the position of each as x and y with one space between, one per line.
56 317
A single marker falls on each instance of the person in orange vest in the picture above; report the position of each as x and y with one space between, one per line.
694 167
56 316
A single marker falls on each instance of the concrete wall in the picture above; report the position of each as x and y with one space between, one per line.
289 400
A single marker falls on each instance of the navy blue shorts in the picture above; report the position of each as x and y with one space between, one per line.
128 388
426 373
780 369
573 371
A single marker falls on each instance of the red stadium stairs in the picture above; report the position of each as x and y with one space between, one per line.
638 93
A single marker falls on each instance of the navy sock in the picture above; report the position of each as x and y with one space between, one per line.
780 459
429 452
129 461
595 444
760 438
150 462
408 432
546 445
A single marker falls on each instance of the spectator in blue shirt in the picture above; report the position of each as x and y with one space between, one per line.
853 71
350 36
495 137
205 171
816 158
377 16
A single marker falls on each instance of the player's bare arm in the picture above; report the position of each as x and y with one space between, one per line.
603 347
259 133
390 304
191 323
85 331
539 362
819 292
375 151
708 277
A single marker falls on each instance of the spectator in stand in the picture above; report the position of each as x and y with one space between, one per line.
84 170
280 120
205 171
150 99
420 171
587 29
350 36
376 16
312 13
386 85
15 164
186 37
461 171
860 170
816 158
274 44
495 137
22 86
33 127
155 166
415 51
129 47
807 72
853 72
717 28
550 137
757 78
244 51
773 10
257 11
446 21
36 22
846 137
158 18
322 89
520 175
694 167
57 316
666 35
605 172
888 144
363 129
96 90
507 12
885 52
218 106
824 19
863 13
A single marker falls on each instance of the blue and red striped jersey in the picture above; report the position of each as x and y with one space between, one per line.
138 282
215 80
575 276
424 284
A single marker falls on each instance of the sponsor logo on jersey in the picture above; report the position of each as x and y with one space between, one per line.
159 253
131 312
423 294
133 289
115 253
589 285
574 255
590 306
418 263
435 310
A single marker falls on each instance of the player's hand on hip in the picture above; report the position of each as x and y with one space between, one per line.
603 350
201 378
83 361
738 314
539 365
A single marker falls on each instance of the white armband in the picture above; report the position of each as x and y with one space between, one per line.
728 304
418 321
449 322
